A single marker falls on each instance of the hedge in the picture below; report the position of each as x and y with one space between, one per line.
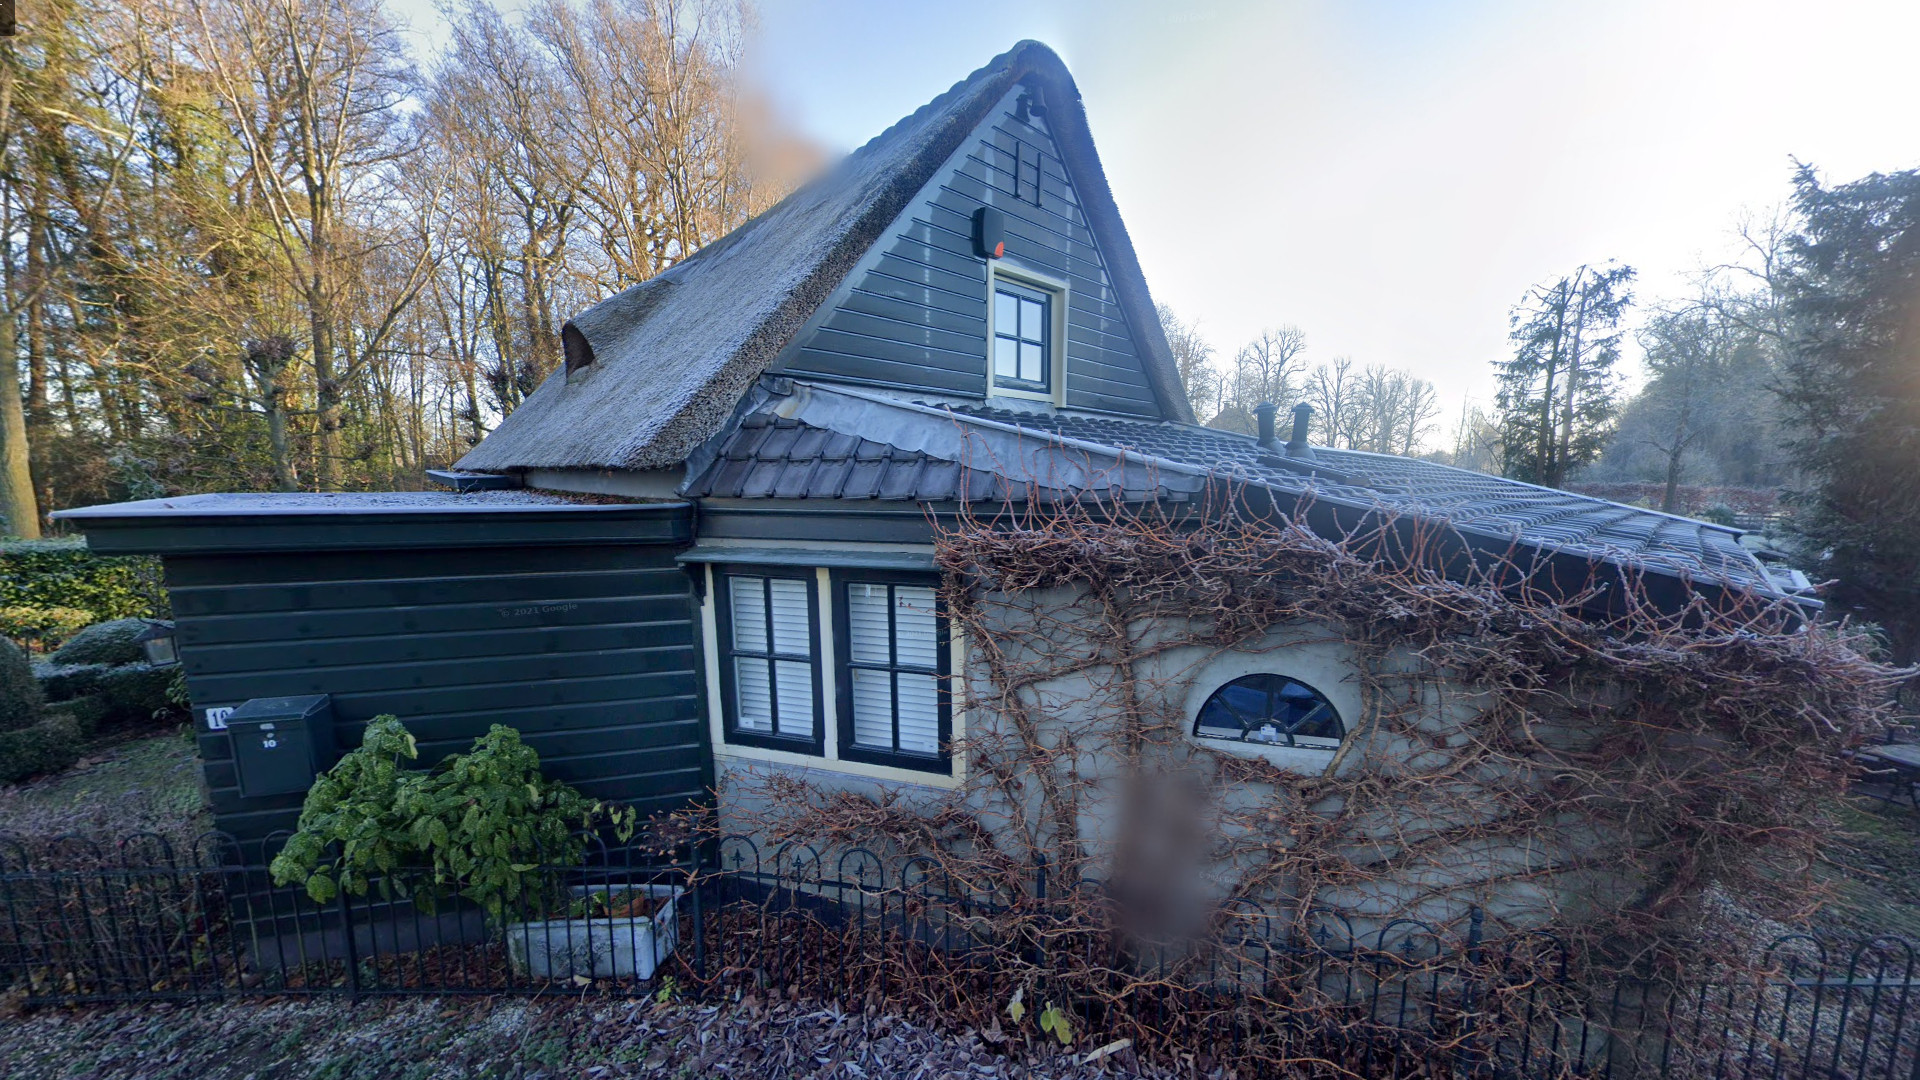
48 746
42 627
64 682
64 574
113 642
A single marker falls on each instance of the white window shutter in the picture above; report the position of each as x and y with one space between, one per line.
872 709
749 613
755 705
916 631
919 713
794 678
792 619
867 622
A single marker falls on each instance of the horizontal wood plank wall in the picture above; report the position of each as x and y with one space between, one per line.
589 651
917 315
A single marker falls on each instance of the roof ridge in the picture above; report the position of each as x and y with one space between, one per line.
952 93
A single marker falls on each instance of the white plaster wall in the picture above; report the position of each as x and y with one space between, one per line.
1517 882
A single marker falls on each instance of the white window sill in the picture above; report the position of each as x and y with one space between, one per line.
883 773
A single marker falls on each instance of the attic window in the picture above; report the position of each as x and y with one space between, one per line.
579 352
1023 339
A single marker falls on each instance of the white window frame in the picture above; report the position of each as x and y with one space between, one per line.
829 760
1326 666
1056 345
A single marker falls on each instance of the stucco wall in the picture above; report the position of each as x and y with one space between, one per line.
1174 823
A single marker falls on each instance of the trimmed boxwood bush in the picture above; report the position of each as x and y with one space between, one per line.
48 746
134 692
62 682
90 712
104 643
29 741
20 696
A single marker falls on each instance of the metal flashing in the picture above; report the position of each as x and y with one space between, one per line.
848 559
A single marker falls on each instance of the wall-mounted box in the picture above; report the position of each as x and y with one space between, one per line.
280 744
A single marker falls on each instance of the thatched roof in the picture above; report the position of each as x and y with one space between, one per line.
674 354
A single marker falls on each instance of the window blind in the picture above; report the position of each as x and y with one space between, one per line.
893 648
772 643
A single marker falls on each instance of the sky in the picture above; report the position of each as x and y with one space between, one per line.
1391 177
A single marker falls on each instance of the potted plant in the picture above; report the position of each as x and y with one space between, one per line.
607 932
487 827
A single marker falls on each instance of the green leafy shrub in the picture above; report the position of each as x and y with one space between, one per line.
63 573
109 642
63 682
41 627
479 825
47 746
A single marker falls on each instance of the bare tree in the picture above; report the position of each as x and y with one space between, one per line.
17 497
1193 360
313 91
1393 411
494 108
1265 369
1476 440
1333 390
653 109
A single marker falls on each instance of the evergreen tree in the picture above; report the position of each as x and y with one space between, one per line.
1556 398
1851 390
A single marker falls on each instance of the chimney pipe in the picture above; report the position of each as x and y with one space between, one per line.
1302 417
1265 411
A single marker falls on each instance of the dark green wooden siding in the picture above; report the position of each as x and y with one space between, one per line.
914 314
589 651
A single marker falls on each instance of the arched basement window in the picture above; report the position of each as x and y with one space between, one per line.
1270 710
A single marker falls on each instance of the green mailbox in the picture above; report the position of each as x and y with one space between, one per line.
280 744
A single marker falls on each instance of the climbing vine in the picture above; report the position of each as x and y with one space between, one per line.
1616 773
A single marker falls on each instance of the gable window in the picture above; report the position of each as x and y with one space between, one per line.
769 662
1270 710
890 642
1023 338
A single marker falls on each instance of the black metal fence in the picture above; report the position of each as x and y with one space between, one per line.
144 921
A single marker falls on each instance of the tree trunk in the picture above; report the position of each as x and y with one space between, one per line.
283 477
326 378
1669 502
1563 443
39 419
1543 455
16 470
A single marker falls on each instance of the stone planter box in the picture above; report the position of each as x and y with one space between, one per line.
598 947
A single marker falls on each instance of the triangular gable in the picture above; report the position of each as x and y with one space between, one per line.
656 370
913 314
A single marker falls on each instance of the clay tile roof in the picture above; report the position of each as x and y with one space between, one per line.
904 460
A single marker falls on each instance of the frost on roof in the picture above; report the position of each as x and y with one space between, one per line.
306 502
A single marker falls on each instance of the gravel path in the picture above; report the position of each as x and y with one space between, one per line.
484 1039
